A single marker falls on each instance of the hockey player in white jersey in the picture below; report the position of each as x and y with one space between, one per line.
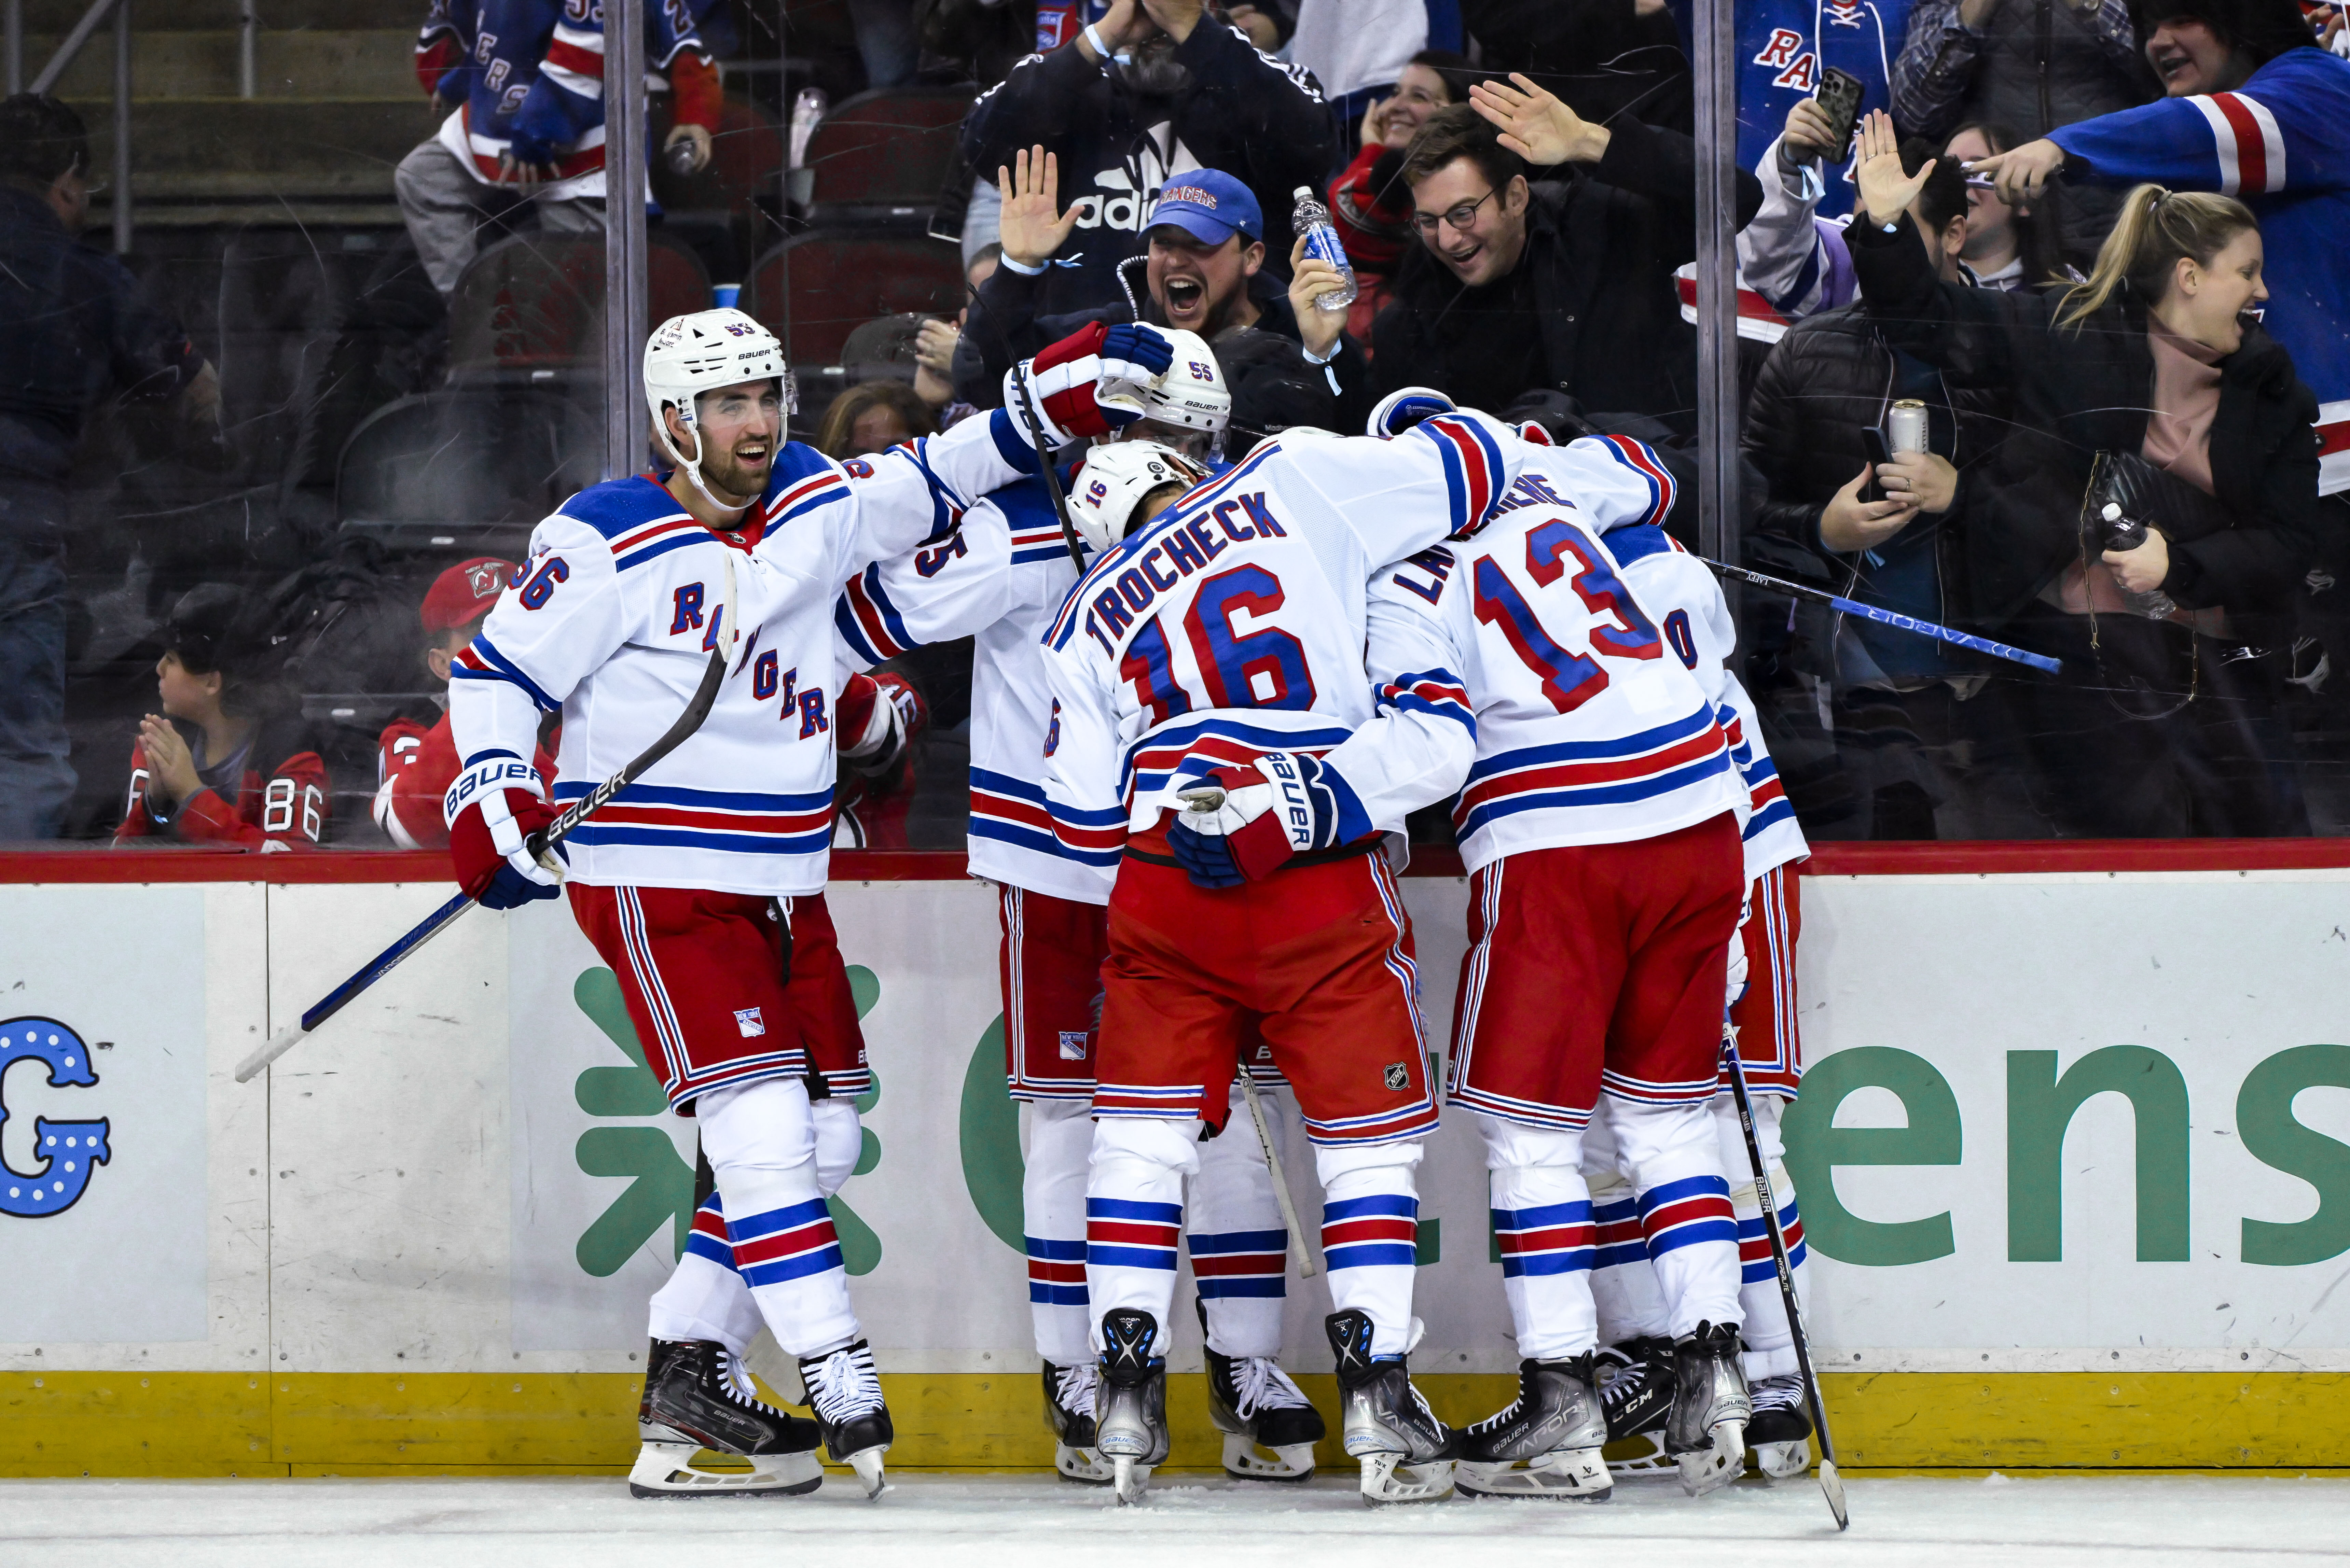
1600 825
1213 724
685 882
998 581
1681 592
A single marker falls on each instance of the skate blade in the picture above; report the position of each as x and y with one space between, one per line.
1638 1455
867 1463
1785 1461
1245 1460
667 1470
1710 1469
1569 1474
1388 1480
1083 1466
1131 1477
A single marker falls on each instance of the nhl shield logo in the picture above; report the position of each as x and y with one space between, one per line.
1396 1075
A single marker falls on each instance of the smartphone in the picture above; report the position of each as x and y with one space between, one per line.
1839 96
1872 440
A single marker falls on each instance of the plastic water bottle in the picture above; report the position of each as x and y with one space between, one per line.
1311 220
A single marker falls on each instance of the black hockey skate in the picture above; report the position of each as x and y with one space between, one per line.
697 1396
845 1391
1070 1393
1635 1391
1131 1416
1546 1443
1781 1433
1269 1427
1407 1454
1706 1433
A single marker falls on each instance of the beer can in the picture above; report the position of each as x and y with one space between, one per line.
1905 426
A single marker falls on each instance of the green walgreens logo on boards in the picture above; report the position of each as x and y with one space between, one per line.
660 1191
2042 1102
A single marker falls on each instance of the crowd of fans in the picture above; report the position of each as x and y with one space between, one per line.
2048 343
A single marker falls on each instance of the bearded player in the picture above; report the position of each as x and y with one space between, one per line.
687 882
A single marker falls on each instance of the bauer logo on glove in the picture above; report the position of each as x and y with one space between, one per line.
1242 823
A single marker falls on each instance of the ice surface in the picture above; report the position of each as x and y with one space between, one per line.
1194 1521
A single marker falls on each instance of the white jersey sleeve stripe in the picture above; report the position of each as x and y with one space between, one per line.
1636 456
481 662
1474 473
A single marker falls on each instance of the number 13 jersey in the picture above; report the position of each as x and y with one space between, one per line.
1588 729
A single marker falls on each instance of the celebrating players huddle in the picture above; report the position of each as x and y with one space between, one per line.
1205 699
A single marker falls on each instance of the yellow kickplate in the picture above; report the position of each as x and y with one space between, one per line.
217 1424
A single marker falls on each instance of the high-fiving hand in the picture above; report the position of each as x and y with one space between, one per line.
1033 224
1536 125
1885 190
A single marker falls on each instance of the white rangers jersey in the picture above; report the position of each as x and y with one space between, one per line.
1697 629
612 620
1233 625
997 581
1589 731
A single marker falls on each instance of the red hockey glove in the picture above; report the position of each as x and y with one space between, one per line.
492 810
1090 382
1243 823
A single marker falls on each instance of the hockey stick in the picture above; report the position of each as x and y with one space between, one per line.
1889 617
1831 1483
540 844
1307 1267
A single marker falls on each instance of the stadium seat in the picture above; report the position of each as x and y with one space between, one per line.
745 156
814 289
530 308
468 470
878 157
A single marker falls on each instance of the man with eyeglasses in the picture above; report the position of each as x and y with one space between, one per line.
1558 278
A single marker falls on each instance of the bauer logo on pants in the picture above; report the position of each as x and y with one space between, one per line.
748 1021
1397 1075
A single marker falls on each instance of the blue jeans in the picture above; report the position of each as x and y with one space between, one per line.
35 779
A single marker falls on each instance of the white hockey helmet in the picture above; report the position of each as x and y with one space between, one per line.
1192 391
700 352
1113 483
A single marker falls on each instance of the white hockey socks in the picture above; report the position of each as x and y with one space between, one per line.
1670 1152
1770 1342
1134 1210
1370 1238
1542 1223
706 1298
1239 1246
761 1142
1053 1205
1623 1282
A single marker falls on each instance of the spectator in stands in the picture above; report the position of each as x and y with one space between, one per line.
2031 64
1607 60
874 416
414 765
1145 94
1799 263
530 128
1899 720
75 330
2165 719
934 344
1358 49
1204 272
1370 203
228 760
2281 142
1568 285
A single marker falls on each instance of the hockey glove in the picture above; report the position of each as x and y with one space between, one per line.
876 718
839 1143
1404 408
1243 823
492 810
1090 382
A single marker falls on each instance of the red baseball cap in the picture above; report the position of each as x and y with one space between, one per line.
465 593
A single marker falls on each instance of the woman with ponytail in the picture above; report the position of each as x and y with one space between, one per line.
2164 720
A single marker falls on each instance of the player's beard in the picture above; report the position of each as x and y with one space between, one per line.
730 476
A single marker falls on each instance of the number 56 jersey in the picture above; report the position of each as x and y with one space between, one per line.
1233 624
1588 729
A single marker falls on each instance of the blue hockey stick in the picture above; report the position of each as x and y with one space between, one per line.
1889 617
705 696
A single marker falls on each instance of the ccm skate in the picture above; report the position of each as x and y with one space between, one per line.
698 1396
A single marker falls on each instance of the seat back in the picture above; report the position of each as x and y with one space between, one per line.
466 470
814 289
531 306
882 155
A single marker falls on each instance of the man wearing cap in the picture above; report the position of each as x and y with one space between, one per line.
1205 270
414 765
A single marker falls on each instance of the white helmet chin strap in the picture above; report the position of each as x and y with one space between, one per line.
693 465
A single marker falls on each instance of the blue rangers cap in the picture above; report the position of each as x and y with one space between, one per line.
1209 205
